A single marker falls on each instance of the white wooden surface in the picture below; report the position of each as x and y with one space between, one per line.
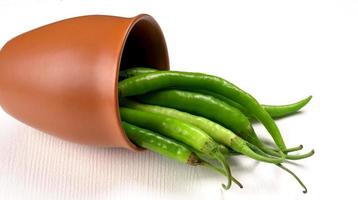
279 51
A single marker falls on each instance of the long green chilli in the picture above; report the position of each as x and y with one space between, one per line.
201 114
165 146
216 131
275 111
208 107
178 130
145 83
168 148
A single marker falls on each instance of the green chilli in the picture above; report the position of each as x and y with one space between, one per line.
208 107
219 133
275 111
178 130
168 148
148 82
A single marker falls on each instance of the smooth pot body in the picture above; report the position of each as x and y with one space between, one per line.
62 78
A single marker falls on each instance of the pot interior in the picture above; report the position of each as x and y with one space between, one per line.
145 46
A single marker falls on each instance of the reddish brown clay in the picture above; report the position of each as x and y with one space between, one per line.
62 78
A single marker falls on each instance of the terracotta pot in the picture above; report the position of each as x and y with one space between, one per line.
62 78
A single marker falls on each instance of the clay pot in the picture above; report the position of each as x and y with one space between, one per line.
62 78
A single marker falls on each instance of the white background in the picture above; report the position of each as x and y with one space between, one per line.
280 51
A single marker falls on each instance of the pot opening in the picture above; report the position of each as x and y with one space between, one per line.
145 46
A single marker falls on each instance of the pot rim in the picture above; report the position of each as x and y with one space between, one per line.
134 22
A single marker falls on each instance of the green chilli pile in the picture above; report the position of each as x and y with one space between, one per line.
201 120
